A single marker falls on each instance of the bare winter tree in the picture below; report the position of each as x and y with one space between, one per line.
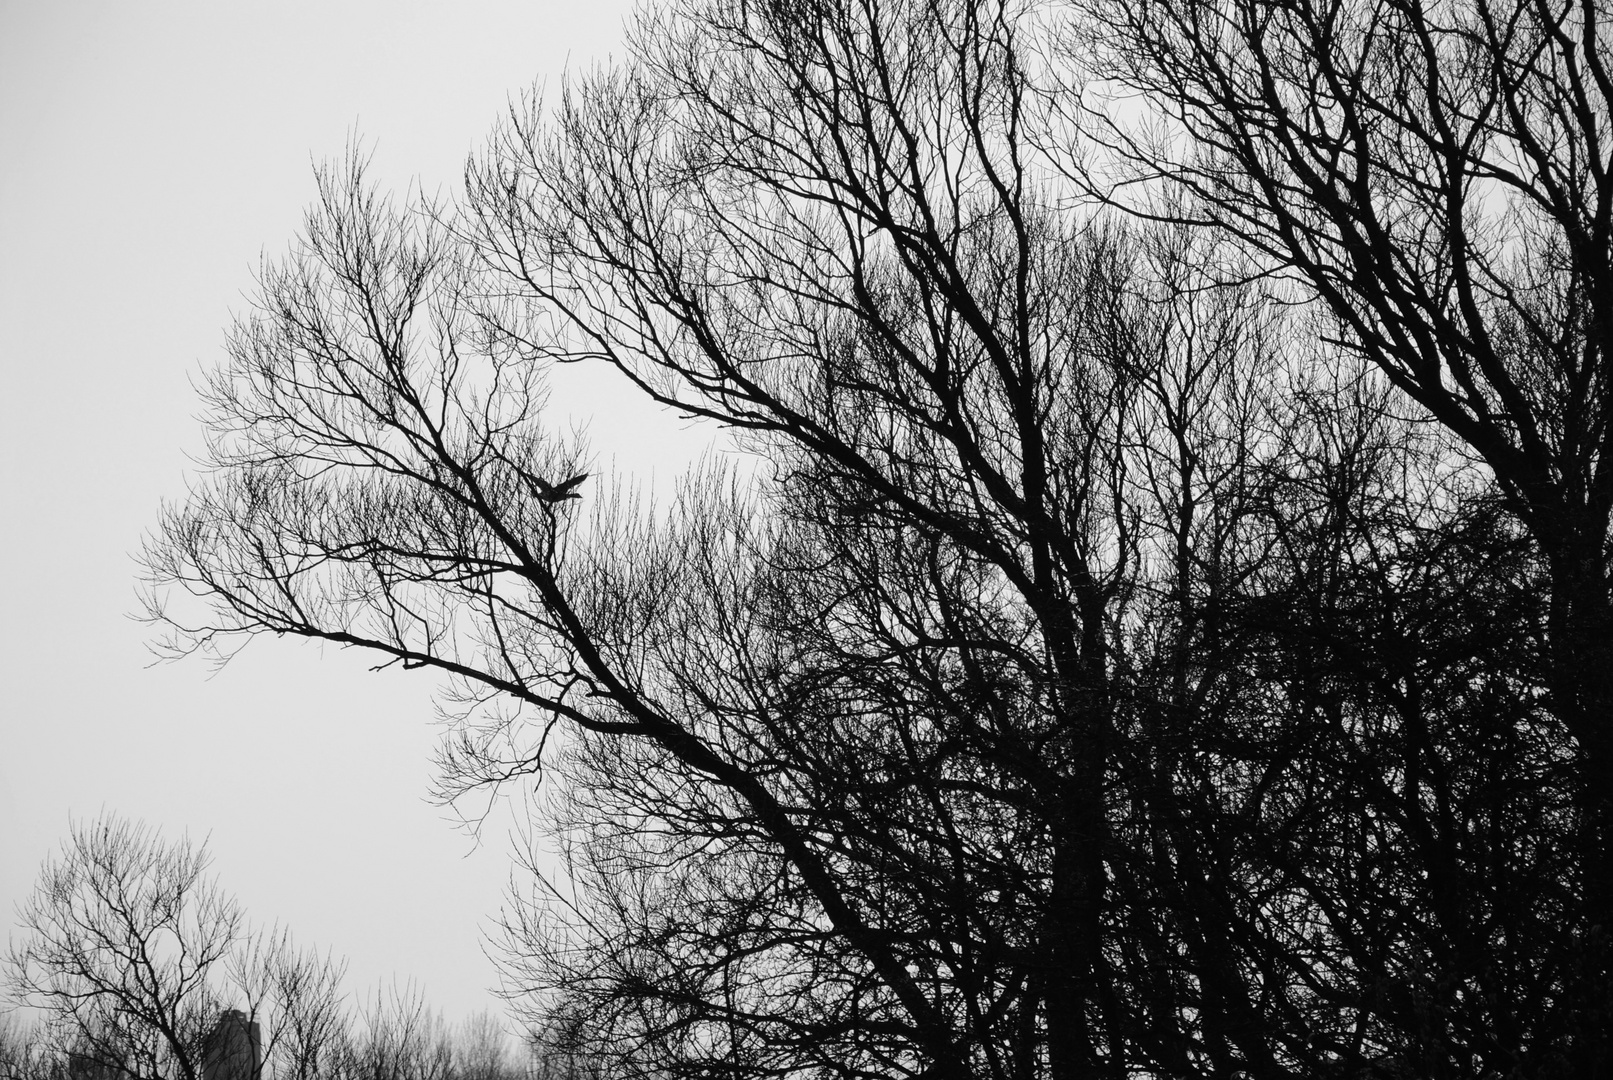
481 1049
298 997
1093 676
124 934
402 1038
1437 175
130 949
25 1053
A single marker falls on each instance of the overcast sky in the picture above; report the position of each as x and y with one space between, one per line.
149 153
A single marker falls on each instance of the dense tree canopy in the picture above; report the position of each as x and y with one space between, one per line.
1128 637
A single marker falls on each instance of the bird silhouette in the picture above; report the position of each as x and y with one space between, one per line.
566 489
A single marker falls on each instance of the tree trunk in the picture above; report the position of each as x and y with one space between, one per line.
1581 628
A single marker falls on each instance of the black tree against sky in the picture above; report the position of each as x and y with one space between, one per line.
1103 668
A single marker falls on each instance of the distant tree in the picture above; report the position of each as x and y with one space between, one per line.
398 1036
130 949
24 1052
401 1038
481 1049
125 936
298 997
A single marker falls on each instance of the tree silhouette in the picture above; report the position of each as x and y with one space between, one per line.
1095 675
1435 174
131 949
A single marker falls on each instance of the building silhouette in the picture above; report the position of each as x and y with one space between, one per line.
234 1048
87 1065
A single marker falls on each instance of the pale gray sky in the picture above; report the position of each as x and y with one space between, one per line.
148 153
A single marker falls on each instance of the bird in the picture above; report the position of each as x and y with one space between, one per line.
553 493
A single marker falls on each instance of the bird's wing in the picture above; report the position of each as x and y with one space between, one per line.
566 486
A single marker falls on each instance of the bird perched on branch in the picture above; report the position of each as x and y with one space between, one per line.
553 493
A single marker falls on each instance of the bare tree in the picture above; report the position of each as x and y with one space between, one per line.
402 1038
297 995
481 1050
131 950
124 934
25 1053
1437 175
1075 687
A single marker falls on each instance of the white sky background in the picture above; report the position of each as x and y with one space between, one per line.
149 152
